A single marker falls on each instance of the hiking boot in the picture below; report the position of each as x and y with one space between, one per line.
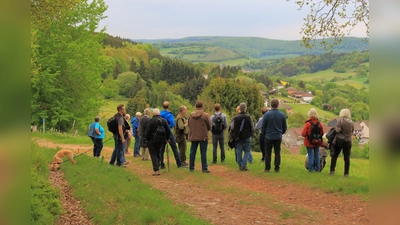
222 161
276 171
184 164
332 173
206 171
346 175
157 173
266 171
126 152
243 168
162 167
125 163
214 162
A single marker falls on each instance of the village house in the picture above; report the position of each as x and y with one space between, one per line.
293 137
290 90
288 108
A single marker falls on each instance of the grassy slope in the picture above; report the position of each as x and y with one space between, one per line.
304 108
112 195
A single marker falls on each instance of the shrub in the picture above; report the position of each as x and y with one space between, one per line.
303 150
365 152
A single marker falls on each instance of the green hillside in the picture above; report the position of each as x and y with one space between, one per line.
260 48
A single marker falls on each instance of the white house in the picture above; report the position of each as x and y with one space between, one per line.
307 97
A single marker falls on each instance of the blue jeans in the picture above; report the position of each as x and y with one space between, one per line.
172 143
136 146
118 151
243 145
313 159
215 139
203 153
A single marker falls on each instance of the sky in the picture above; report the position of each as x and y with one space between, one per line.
158 19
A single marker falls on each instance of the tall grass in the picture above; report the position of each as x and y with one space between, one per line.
111 195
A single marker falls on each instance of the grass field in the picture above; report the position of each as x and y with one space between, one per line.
328 75
304 108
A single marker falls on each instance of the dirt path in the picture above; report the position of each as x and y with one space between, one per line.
74 213
232 197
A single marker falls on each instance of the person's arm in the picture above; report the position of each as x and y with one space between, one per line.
284 126
263 124
167 130
225 122
171 121
304 133
120 131
208 122
97 128
180 123
251 125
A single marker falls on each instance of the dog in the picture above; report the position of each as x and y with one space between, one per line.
58 158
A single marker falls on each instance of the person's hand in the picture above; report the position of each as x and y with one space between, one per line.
168 141
123 141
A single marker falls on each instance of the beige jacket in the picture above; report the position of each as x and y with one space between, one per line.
199 125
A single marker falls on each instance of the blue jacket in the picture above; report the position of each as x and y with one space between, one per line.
273 124
135 126
168 117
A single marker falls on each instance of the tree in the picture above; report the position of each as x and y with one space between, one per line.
302 85
135 105
316 101
325 20
360 111
338 103
297 120
133 66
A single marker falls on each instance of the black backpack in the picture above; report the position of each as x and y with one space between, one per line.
315 136
160 134
112 123
217 124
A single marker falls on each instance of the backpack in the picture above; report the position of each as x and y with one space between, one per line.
112 123
160 134
92 132
217 124
315 136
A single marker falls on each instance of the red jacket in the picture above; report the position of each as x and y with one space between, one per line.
307 131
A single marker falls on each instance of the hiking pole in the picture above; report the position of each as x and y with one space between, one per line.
108 139
167 157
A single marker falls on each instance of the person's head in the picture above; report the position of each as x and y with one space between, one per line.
165 105
199 104
156 112
345 113
182 110
312 113
274 103
127 117
146 112
243 107
217 107
264 110
138 114
97 119
238 109
121 109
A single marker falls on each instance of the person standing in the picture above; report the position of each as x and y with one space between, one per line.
312 126
97 136
219 125
181 132
344 126
129 136
135 126
154 143
199 125
262 137
273 127
243 129
119 138
165 114
142 133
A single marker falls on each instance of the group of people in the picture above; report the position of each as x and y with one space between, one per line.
196 127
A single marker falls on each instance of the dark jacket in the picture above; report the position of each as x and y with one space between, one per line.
307 131
273 125
248 126
199 125
151 128
142 130
346 127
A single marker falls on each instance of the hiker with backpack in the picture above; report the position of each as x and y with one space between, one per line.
157 134
181 132
343 141
135 126
96 133
199 125
262 137
273 127
169 117
118 126
142 131
243 129
219 124
312 133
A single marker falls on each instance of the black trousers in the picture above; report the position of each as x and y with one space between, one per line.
346 153
98 147
276 144
154 150
262 146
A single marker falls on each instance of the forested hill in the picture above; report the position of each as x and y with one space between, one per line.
256 47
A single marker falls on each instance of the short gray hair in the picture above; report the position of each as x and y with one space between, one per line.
312 113
345 113
243 107
156 112
146 111
138 114
127 116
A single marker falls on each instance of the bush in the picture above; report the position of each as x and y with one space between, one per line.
45 206
303 150
365 152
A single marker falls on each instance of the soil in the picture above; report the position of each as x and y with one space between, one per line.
233 197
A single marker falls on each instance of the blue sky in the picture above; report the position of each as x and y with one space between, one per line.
154 19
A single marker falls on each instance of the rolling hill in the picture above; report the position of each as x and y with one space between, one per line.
242 49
